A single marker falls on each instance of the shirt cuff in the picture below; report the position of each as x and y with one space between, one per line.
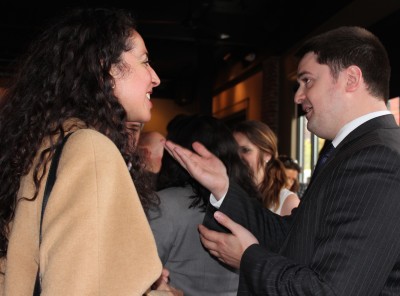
216 203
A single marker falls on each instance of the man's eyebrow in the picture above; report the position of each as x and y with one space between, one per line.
301 74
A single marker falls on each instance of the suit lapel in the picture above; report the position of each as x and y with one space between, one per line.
361 137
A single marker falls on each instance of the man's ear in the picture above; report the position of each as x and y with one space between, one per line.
354 78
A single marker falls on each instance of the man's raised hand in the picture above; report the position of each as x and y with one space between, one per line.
203 166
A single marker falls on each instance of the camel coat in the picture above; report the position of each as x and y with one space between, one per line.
95 236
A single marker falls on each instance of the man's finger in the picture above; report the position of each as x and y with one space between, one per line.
208 234
217 255
224 220
176 152
209 238
201 149
204 236
245 236
172 148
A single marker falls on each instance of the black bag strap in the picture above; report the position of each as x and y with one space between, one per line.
51 178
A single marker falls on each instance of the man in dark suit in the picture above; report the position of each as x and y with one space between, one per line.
344 238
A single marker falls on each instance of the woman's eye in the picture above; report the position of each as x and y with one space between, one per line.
147 62
244 150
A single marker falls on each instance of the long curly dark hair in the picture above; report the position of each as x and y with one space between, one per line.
218 139
65 74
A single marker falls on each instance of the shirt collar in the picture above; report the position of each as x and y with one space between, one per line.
352 125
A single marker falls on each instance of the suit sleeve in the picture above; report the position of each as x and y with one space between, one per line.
358 240
96 238
269 228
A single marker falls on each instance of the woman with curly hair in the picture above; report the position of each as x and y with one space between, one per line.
259 148
87 75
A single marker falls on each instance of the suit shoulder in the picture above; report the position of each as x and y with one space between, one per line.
389 138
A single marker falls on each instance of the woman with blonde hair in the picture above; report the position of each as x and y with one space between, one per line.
258 147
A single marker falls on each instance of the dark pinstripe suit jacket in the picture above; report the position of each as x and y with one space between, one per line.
344 238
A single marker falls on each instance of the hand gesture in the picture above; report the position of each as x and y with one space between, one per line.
203 166
228 248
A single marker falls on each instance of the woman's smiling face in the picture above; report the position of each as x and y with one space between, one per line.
134 81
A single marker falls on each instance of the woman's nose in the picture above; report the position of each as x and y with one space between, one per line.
156 79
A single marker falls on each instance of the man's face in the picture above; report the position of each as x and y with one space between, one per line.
321 97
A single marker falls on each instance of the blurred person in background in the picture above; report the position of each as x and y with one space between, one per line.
151 149
292 170
183 201
258 147
151 145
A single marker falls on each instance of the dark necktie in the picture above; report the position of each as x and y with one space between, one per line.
324 157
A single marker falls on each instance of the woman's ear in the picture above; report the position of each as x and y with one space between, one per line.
266 157
114 71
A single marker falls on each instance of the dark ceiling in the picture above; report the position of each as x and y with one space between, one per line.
189 39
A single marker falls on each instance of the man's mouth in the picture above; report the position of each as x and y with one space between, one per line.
308 110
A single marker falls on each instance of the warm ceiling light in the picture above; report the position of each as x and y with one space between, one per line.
227 56
250 57
224 36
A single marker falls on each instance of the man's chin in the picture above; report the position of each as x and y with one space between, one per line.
311 127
